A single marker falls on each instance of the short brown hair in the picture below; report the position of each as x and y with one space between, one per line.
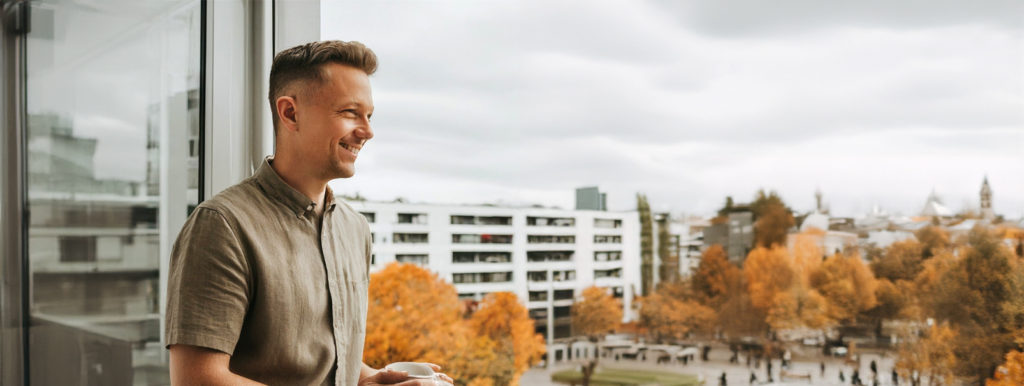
304 63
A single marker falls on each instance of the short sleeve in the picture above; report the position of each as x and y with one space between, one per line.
208 284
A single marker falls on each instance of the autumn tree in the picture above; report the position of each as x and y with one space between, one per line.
595 315
716 278
502 319
667 317
1011 372
933 239
901 260
768 272
930 357
972 296
772 219
414 315
847 284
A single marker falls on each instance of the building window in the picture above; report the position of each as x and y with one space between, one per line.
617 292
616 272
538 296
607 239
481 257
568 275
373 259
412 218
537 276
370 216
608 256
539 313
551 239
607 223
464 238
418 259
564 294
563 312
467 296
539 256
482 277
481 220
551 221
410 238
77 249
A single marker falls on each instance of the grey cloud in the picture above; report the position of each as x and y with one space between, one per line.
735 18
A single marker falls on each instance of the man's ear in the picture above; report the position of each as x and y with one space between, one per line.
286 112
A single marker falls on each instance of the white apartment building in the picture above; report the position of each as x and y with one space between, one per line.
544 256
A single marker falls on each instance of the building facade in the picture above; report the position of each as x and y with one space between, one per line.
545 256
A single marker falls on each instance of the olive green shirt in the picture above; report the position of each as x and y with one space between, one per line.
254 275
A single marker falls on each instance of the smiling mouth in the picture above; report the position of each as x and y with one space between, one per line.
351 148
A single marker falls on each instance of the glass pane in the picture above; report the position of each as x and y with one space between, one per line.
113 130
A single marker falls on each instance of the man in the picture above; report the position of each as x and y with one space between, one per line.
268 279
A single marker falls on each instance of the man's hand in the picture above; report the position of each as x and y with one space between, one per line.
401 378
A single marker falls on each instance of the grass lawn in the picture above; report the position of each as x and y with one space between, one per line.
615 377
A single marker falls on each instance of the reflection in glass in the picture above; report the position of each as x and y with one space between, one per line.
112 141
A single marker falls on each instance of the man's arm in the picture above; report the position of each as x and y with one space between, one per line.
193 365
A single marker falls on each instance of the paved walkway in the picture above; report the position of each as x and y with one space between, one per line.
739 374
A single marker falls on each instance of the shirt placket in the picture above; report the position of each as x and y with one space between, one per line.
333 291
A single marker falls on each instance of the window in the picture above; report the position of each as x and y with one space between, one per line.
410 238
563 294
412 218
607 223
418 259
551 239
569 275
538 296
539 313
600 273
551 221
539 256
370 216
481 220
608 256
75 249
467 296
563 312
537 276
481 257
617 292
464 238
484 277
607 239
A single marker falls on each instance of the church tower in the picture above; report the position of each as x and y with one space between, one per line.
986 201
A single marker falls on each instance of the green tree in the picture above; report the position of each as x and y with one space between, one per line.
646 245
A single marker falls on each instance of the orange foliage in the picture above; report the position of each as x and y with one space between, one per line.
503 319
799 307
596 314
414 315
1011 372
768 273
666 317
847 284
932 356
716 278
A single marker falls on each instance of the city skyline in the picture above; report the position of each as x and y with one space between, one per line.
876 105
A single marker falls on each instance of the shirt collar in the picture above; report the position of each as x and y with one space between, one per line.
272 183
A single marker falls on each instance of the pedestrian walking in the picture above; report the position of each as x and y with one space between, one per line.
721 380
823 369
753 377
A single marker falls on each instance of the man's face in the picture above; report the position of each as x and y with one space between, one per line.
334 121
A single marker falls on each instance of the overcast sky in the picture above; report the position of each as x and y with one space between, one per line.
873 102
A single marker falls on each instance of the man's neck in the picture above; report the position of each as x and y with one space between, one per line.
300 179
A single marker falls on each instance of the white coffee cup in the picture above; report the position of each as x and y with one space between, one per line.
414 369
